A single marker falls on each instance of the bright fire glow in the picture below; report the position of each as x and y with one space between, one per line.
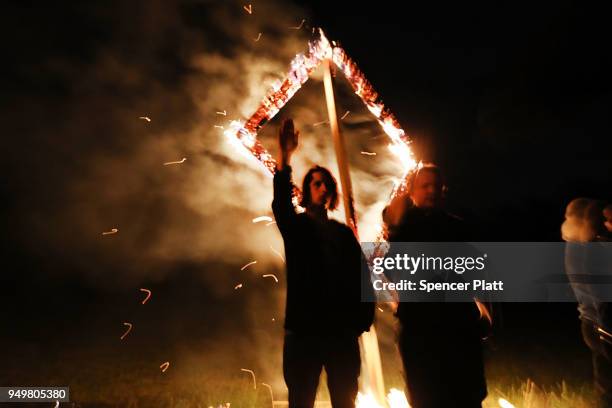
243 135
395 399
504 403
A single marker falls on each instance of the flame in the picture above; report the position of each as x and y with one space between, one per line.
484 311
504 403
243 135
395 399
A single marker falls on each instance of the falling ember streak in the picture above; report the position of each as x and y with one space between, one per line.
298 27
175 162
248 9
504 403
380 308
238 286
247 265
269 388
128 330
224 113
252 374
148 119
270 275
320 123
148 295
164 366
277 253
262 218
270 223
112 231
219 127
345 115
258 37
368 153
484 311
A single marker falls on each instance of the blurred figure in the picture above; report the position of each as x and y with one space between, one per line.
324 315
588 264
440 343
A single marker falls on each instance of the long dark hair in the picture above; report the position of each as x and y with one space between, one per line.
330 183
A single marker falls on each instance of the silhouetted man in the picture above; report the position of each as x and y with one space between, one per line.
439 343
324 315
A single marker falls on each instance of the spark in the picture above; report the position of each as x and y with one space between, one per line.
504 403
238 286
270 223
381 309
248 9
164 366
320 123
128 330
270 388
262 218
219 127
345 115
273 319
252 374
148 295
224 113
485 314
368 153
270 275
277 253
298 27
258 37
112 231
247 265
175 162
148 119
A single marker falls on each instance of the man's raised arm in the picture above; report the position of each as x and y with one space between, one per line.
282 206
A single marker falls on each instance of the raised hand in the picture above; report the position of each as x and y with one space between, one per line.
288 141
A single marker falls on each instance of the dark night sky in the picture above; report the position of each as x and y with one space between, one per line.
513 101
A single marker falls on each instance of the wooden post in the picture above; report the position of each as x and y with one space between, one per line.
370 358
343 166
